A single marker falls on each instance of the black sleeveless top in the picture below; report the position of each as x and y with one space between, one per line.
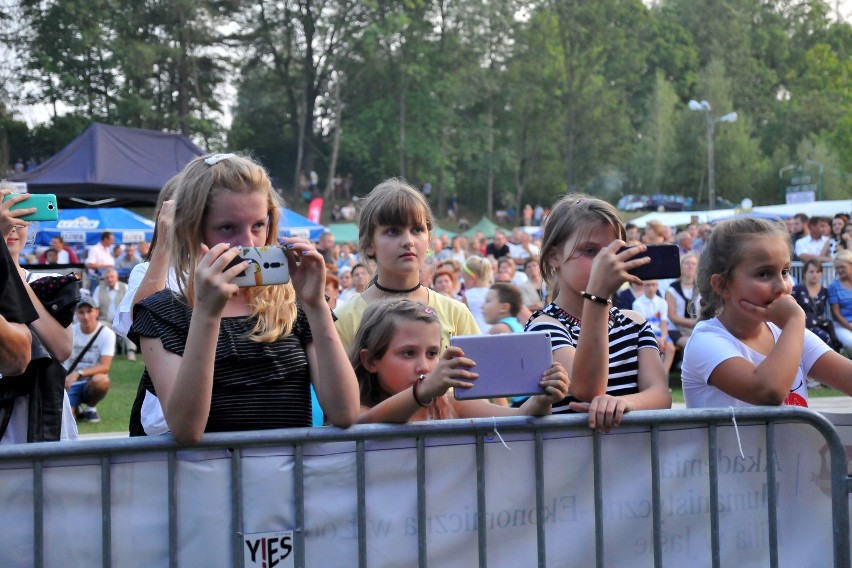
256 386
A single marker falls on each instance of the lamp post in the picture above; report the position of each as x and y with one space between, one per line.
711 127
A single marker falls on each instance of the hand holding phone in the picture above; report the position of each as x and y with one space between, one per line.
665 262
267 266
44 204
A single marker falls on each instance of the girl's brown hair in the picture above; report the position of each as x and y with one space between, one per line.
377 328
812 262
199 184
392 202
723 252
569 216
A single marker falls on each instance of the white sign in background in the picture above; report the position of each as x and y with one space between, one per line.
140 509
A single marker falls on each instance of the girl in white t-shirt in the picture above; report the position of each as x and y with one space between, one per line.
751 346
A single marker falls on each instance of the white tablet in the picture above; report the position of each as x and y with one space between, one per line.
509 364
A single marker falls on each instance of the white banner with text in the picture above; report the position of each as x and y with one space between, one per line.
139 505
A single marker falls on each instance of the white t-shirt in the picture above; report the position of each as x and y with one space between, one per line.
104 345
124 315
809 245
711 344
519 252
99 254
475 297
654 309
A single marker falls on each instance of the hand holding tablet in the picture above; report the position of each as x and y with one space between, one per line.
511 364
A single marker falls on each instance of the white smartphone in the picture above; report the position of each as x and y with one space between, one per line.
267 266
509 364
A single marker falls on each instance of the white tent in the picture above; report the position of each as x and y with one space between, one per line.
680 218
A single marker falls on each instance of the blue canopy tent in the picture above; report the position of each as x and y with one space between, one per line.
112 165
291 224
84 226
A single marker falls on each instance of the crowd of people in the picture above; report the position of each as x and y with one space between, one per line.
361 332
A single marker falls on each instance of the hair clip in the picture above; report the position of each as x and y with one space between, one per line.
429 311
216 158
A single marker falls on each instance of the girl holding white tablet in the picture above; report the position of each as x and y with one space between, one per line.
403 377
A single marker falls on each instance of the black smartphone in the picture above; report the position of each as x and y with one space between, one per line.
665 262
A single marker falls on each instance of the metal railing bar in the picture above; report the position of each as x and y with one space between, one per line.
655 497
38 514
598 498
539 500
299 491
238 559
421 502
360 464
437 429
172 503
713 450
106 512
771 503
481 507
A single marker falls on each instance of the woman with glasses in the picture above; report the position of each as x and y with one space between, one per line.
55 337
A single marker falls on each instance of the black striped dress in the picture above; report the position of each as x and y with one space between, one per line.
256 386
626 338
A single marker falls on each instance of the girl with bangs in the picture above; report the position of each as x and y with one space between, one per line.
404 378
394 231
224 358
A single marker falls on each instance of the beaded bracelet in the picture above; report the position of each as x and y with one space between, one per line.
598 299
419 380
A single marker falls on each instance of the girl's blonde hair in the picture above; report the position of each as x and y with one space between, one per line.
378 326
199 184
723 252
479 268
568 217
392 202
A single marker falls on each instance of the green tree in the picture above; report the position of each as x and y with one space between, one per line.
657 142
302 42
135 63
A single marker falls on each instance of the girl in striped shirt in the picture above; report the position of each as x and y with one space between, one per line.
611 355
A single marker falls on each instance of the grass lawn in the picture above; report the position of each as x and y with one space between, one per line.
115 408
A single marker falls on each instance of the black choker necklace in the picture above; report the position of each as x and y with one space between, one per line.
393 291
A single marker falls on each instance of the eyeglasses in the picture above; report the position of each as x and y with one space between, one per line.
31 234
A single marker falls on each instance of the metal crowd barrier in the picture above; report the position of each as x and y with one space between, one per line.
40 457
798 274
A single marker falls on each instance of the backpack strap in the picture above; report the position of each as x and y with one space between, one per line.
83 352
